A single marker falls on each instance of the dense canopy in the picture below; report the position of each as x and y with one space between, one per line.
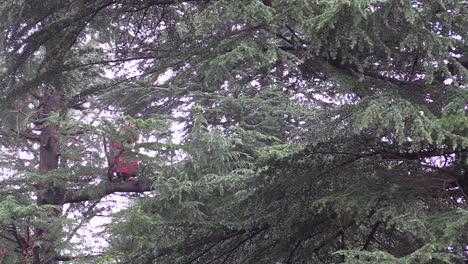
273 131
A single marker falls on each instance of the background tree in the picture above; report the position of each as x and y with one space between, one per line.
337 129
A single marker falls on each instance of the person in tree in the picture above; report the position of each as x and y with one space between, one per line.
123 165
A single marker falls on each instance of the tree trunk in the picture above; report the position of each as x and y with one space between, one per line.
47 193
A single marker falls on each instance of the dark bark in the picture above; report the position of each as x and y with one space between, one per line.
69 258
48 194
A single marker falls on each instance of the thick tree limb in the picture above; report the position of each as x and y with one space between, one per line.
68 258
103 189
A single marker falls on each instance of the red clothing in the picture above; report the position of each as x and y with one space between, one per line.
121 162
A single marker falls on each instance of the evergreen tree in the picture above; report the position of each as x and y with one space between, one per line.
314 131
55 151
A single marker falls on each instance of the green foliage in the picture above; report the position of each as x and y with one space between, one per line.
272 131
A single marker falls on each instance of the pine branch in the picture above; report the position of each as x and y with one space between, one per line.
204 252
253 233
86 217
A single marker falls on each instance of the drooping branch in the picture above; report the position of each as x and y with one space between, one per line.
213 241
253 233
86 217
106 188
